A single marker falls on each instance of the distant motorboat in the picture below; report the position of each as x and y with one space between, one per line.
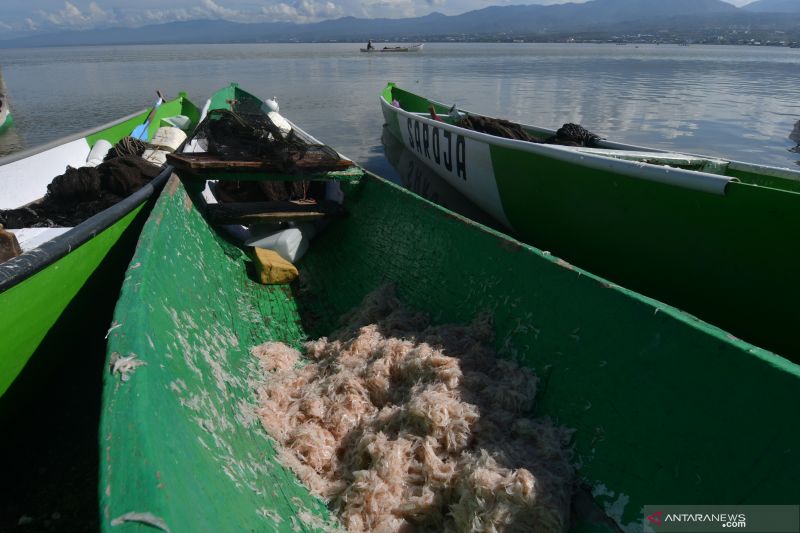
409 48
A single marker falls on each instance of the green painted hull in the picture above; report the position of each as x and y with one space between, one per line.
633 376
37 287
6 119
728 258
6 122
37 303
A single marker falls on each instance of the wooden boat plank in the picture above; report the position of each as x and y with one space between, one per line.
255 212
200 163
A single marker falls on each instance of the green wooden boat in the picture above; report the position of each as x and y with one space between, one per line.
37 286
667 408
6 119
716 238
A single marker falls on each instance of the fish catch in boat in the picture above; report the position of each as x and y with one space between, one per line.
400 424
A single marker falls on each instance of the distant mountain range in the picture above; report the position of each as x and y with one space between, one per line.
773 6
600 18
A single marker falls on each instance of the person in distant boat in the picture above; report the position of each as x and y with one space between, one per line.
369 45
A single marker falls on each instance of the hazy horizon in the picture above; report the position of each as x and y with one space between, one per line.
27 17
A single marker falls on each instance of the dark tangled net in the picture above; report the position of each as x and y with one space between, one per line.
253 136
567 135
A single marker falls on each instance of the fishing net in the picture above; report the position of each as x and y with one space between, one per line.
255 136
80 193
126 147
495 126
567 135
573 135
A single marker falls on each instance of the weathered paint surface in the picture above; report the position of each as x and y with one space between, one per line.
179 437
729 259
666 407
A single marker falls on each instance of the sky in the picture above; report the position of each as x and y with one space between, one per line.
24 16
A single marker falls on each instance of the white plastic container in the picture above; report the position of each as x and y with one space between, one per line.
98 153
290 243
168 138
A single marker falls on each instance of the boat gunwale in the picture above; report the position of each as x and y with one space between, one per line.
18 269
769 170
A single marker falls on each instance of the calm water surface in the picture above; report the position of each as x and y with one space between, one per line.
734 102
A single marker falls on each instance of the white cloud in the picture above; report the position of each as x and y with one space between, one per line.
220 11
393 8
302 11
71 16
155 16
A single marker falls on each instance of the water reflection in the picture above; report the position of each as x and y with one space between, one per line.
418 178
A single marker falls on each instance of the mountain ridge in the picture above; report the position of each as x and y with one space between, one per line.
773 6
536 22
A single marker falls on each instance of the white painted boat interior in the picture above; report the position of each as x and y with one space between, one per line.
31 238
26 180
